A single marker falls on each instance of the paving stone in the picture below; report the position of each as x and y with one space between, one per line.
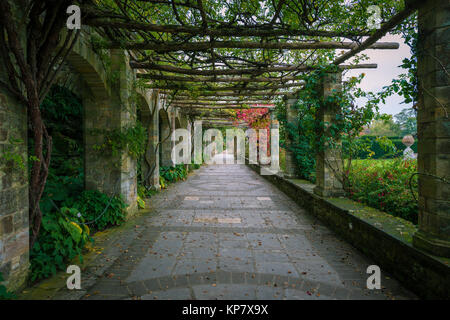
278 268
233 265
194 266
225 292
226 233
171 294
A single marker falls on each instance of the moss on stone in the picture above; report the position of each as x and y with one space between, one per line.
394 226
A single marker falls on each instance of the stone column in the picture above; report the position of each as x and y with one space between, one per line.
189 129
434 128
104 171
274 124
14 222
328 161
169 143
291 118
13 191
151 119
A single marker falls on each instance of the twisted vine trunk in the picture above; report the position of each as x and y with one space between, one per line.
39 169
32 60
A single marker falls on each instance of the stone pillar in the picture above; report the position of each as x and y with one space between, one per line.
168 143
151 120
189 129
104 171
274 124
291 118
13 192
434 128
14 223
328 161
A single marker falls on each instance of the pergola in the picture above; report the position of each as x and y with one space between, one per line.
205 58
232 54
225 57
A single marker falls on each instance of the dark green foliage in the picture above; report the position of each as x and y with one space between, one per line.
63 235
302 134
378 150
4 293
62 112
92 205
62 190
145 193
60 241
172 174
196 166
133 140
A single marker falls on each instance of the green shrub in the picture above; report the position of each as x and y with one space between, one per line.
196 166
60 241
63 234
4 293
145 193
384 185
61 190
101 210
379 151
172 174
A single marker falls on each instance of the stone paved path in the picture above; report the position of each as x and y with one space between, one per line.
226 233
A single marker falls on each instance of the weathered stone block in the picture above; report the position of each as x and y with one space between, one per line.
6 225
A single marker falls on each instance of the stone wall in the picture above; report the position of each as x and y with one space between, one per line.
14 234
13 192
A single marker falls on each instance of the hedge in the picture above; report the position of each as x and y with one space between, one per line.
380 152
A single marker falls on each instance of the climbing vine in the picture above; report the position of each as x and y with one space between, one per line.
131 139
309 135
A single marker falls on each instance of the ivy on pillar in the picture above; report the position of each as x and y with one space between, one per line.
328 159
105 171
434 128
291 118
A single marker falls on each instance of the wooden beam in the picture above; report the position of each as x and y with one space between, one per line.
215 79
217 103
223 88
204 46
228 106
255 71
234 94
97 18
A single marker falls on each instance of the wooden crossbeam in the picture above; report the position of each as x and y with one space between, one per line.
215 79
223 88
96 18
261 94
223 72
204 46
217 103
228 106
218 99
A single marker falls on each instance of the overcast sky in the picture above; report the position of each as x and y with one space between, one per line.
388 68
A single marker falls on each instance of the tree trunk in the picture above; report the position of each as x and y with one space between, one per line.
39 169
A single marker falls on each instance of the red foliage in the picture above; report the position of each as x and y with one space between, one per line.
255 118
